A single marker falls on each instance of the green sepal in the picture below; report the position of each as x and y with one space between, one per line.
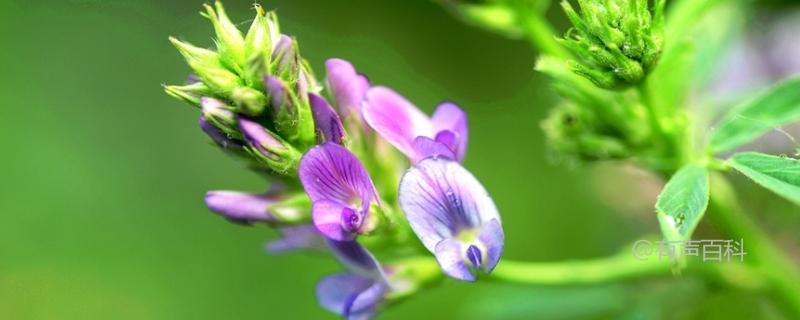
293 209
190 93
230 43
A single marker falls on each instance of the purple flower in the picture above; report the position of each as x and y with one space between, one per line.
348 88
240 207
304 236
453 216
340 189
411 131
355 294
328 125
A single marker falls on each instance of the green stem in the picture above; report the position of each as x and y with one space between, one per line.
765 256
623 267
653 113
540 33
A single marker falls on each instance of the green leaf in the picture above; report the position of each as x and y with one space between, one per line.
779 174
683 201
778 106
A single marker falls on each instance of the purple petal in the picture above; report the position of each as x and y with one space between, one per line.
329 126
192 79
364 304
492 238
450 255
215 107
441 199
357 259
240 207
337 291
328 216
284 55
425 147
348 87
296 237
219 137
258 137
395 119
474 256
278 95
331 172
448 117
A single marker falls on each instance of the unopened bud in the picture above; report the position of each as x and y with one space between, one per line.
190 93
222 139
617 42
285 58
250 101
230 43
574 133
269 147
258 44
248 208
221 116
328 124
291 115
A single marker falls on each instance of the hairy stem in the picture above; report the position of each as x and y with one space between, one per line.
765 256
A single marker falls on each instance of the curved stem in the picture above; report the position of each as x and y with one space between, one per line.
540 33
780 272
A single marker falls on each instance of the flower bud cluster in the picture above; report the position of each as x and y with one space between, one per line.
334 168
616 42
252 90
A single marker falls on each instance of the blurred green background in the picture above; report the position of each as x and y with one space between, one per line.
103 175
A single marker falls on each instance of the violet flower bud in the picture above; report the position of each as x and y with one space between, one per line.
220 138
269 147
292 117
328 125
241 208
285 57
248 208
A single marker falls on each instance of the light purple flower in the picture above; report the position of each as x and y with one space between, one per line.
347 86
411 131
355 294
294 237
340 189
453 216
328 125
240 207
